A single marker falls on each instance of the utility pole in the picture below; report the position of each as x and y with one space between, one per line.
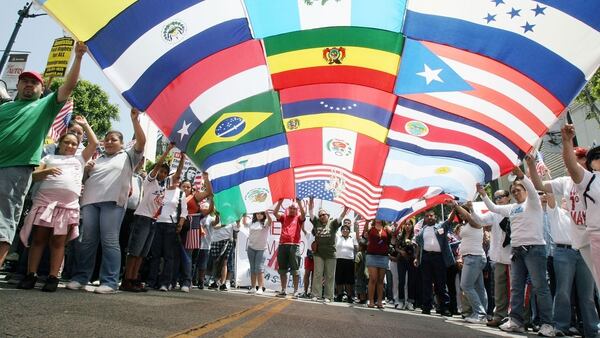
23 13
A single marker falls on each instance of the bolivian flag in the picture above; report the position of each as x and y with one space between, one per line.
364 56
247 120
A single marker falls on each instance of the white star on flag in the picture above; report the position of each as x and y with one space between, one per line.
431 75
184 130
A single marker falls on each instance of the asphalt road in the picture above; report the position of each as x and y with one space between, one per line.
207 313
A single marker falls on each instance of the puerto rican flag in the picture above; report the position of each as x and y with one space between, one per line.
398 204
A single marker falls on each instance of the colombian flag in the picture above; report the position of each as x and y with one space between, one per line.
364 56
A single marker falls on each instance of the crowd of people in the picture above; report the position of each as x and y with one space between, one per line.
530 261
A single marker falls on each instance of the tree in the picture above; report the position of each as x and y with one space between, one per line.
590 95
91 101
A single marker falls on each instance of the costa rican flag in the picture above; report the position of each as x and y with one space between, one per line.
61 122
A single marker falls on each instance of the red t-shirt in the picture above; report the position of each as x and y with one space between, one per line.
290 229
378 245
192 206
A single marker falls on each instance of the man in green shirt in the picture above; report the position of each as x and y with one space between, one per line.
24 124
324 230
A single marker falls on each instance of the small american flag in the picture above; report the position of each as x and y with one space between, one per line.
61 122
540 166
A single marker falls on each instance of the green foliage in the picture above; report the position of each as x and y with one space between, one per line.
148 166
590 95
91 101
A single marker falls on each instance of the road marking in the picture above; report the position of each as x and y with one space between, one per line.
246 328
220 322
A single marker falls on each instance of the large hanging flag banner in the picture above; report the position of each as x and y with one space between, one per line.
248 161
525 61
363 56
208 87
248 120
254 195
269 18
343 148
145 47
428 131
396 203
332 183
361 109
409 170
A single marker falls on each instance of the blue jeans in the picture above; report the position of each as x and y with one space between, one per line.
530 260
163 246
471 282
570 266
101 222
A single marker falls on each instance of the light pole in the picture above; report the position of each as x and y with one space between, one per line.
23 13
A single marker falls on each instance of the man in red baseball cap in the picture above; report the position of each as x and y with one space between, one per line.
24 124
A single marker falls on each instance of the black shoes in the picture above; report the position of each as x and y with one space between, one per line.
51 284
28 282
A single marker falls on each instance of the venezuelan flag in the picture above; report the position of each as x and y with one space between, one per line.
356 55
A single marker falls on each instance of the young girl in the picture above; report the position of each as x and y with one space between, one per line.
55 211
257 244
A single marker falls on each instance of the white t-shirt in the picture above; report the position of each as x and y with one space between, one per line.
257 237
223 233
168 213
71 176
526 219
430 242
592 220
206 239
344 247
497 253
152 197
471 241
136 192
565 187
561 225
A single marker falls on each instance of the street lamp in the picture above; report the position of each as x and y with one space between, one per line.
23 13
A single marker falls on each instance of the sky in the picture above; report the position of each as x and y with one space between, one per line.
36 36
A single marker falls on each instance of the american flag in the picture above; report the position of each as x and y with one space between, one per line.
338 185
61 122
192 240
540 166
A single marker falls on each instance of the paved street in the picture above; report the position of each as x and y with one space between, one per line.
209 314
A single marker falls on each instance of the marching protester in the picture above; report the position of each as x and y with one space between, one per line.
379 236
24 124
143 227
170 217
528 253
259 227
220 248
288 251
196 201
434 256
107 181
323 249
345 250
54 215
407 272
207 224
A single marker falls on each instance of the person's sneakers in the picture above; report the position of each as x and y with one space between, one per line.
512 326
129 286
296 295
326 300
51 284
28 282
74 285
409 306
559 333
282 294
446 313
185 289
475 320
104 290
259 291
163 288
494 322
139 285
201 286
213 286
399 305
315 299
546 330
252 291
350 300
426 312
223 287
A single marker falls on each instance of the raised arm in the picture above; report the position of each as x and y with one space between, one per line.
177 174
311 207
138 131
301 207
277 207
90 149
465 215
575 170
343 214
161 159
535 177
499 209
65 90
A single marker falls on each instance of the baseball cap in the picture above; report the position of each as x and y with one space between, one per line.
580 151
31 74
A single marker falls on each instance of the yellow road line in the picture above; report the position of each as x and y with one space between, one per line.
218 323
246 328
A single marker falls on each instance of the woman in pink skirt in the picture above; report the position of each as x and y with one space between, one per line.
54 215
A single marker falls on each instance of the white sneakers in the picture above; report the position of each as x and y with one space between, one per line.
185 289
512 326
476 320
259 291
546 330
104 290
74 285
252 290
164 288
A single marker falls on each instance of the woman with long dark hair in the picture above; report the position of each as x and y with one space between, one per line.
257 244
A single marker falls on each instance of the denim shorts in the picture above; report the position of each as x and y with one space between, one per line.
257 260
377 261
142 234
